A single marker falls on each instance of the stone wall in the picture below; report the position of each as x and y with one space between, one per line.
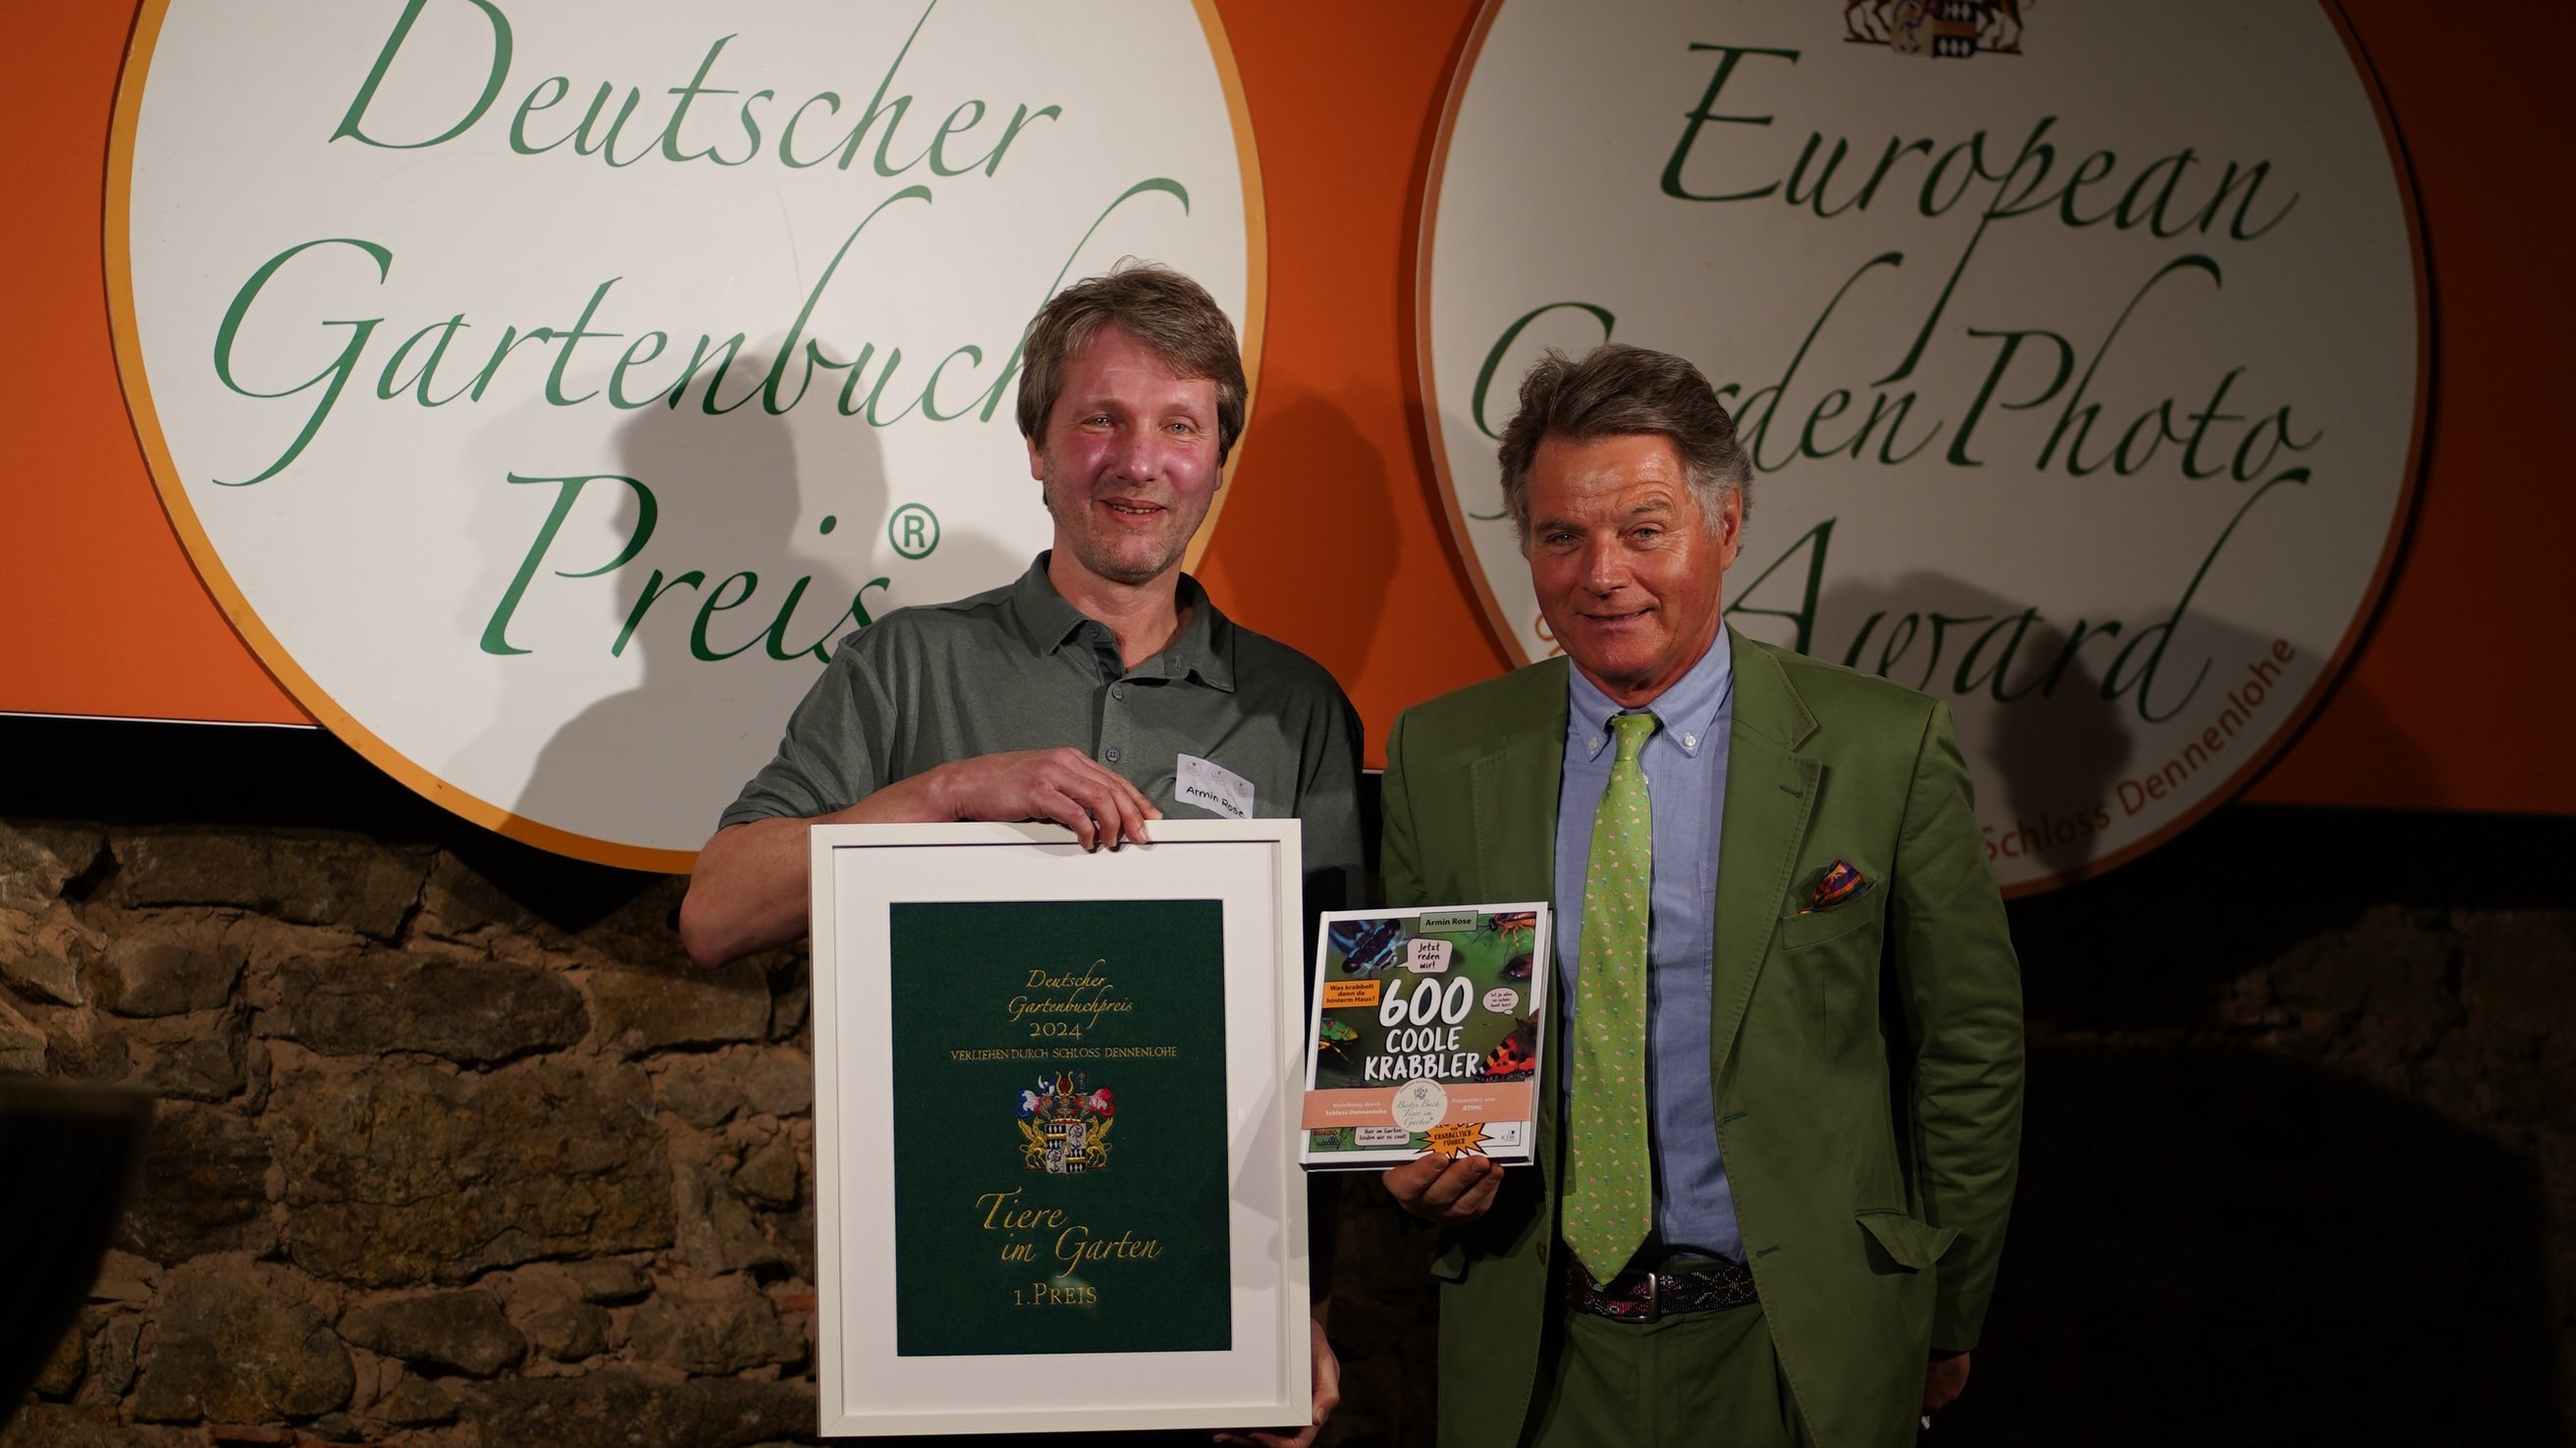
429 1167
455 1149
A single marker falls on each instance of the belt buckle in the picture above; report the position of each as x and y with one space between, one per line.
1654 1297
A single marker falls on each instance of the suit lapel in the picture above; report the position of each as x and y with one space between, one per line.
1770 796
1516 786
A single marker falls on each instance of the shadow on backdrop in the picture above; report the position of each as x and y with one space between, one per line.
2159 943
735 488
2058 743
72 1150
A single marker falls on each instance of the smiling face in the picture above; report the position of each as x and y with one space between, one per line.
1130 463
1624 561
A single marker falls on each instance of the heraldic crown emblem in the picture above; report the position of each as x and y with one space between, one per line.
1064 1125
1954 29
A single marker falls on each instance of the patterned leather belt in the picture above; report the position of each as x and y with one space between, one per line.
1646 1296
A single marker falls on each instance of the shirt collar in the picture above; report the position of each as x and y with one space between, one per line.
1688 713
1203 649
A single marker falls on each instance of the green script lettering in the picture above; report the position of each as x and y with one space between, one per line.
333 377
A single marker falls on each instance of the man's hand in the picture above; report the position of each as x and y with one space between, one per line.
749 890
1328 1396
1064 785
1943 1380
1457 1190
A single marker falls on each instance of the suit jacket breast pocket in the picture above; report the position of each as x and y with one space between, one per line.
1798 932
1834 954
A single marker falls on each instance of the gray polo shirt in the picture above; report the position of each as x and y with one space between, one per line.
1020 668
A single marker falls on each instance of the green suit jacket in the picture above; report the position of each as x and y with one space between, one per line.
1866 1060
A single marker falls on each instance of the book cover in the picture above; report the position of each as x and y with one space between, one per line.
1426 1029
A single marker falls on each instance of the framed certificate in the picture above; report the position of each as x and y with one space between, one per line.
1056 1095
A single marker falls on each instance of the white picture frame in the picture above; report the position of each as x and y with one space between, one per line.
869 1388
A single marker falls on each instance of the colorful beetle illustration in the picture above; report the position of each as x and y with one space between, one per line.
1331 1037
1367 946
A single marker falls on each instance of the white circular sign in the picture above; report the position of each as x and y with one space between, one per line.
544 389
2078 350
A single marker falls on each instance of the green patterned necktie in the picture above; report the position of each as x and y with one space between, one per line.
1609 1182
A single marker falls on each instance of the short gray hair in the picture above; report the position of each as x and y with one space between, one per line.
1171 314
1616 390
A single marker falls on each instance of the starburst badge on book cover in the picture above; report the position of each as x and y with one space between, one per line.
1064 1125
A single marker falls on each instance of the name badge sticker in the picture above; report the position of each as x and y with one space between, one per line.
1213 787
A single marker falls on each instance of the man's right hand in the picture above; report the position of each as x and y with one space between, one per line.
1066 786
1449 1192
749 893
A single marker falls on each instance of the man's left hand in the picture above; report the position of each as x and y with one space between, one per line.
1943 1380
1328 1395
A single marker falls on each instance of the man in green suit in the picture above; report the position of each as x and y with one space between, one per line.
1777 1147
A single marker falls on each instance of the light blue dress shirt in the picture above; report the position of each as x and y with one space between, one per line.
1685 766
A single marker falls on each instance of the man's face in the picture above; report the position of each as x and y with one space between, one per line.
1625 565
1129 460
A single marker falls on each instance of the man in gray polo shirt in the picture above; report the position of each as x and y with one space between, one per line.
1221 722
1102 690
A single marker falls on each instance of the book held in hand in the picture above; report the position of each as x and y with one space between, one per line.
1426 1028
